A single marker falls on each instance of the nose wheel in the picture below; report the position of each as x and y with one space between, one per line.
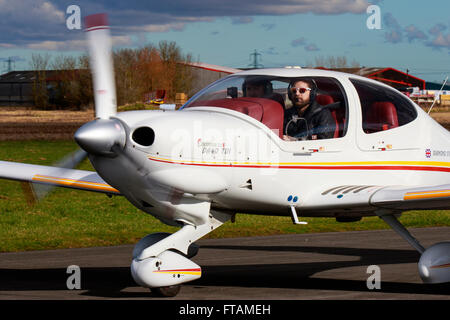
169 291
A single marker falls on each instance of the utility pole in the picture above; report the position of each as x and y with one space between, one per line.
255 63
10 61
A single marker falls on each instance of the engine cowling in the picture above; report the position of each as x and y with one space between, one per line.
434 264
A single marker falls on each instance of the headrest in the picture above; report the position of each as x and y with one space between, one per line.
324 99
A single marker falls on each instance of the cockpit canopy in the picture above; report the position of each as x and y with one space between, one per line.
265 98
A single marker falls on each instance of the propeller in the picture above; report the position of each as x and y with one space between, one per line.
103 135
99 41
35 192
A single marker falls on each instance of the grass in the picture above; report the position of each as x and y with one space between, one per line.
70 218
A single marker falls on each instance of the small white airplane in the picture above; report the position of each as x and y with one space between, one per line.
224 153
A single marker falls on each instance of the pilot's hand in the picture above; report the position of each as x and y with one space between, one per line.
289 138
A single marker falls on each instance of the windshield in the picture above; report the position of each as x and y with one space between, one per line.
270 100
242 86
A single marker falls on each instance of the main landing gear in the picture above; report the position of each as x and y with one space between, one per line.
434 263
161 260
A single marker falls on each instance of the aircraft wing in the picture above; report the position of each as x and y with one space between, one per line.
427 197
388 197
55 176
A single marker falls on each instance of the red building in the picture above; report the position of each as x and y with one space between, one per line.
393 77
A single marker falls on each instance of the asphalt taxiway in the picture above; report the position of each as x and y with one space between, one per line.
286 267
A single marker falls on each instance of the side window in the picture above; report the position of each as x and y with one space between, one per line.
382 108
320 113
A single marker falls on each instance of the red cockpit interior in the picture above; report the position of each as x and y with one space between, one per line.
267 111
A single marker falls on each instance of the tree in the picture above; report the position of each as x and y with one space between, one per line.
333 62
39 64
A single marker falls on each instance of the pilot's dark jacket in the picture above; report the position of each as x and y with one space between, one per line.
316 123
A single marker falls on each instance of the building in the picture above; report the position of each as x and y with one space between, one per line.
16 87
204 74
393 77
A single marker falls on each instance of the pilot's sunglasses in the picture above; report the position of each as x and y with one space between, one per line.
301 90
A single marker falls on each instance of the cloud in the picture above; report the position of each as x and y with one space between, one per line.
390 22
7 45
311 47
441 41
241 20
31 10
74 45
268 26
271 51
298 42
28 23
437 29
230 8
412 33
179 26
394 33
302 42
393 36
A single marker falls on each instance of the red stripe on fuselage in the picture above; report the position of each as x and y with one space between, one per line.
414 168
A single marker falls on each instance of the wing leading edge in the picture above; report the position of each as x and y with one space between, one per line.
386 197
410 198
55 176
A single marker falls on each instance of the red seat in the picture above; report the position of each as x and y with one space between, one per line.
337 114
267 111
324 99
380 116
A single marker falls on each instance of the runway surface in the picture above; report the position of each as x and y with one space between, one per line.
286 267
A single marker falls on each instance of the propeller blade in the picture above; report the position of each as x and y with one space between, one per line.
100 48
35 192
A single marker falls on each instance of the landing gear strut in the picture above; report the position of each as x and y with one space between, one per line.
161 261
434 263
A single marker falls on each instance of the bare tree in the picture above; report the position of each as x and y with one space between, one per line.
137 71
150 68
39 64
334 62
64 82
85 86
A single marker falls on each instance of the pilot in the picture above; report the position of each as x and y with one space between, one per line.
260 88
306 120
256 88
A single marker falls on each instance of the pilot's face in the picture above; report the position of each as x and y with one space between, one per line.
301 93
254 90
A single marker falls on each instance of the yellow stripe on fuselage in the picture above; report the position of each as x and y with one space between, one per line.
280 164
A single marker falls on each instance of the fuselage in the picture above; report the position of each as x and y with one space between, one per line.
226 159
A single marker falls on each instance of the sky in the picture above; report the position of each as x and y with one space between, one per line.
408 35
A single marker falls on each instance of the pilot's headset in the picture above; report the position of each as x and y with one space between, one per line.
311 83
268 88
